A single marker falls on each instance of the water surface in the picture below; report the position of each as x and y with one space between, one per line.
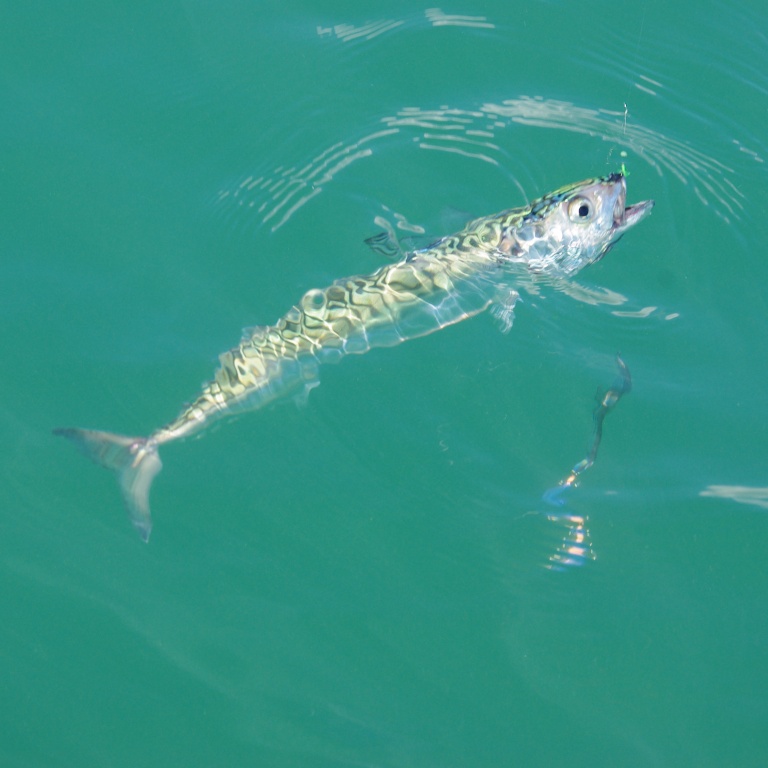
363 581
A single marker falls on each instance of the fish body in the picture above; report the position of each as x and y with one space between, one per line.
453 279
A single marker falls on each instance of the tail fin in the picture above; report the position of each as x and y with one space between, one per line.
134 459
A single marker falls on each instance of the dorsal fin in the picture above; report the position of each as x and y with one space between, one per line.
385 245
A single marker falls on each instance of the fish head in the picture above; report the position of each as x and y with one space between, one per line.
569 229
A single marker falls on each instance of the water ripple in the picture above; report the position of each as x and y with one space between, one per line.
371 29
479 134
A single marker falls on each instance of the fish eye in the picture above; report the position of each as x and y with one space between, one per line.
580 210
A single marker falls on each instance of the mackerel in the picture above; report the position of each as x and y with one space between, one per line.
455 278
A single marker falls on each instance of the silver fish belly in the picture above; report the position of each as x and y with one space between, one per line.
456 278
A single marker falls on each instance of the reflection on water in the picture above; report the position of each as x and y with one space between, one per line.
277 196
440 19
646 88
449 130
478 134
371 29
742 494
576 548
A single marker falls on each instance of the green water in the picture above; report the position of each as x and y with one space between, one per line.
362 581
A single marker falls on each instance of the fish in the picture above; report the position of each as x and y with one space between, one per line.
456 277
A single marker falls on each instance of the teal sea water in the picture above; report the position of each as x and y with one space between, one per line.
369 580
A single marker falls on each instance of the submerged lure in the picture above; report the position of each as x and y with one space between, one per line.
453 279
576 547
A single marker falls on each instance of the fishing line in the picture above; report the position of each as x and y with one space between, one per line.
623 153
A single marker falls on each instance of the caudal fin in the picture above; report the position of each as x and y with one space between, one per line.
134 459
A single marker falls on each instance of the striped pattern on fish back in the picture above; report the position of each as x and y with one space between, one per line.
422 293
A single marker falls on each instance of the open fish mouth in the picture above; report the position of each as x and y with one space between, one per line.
626 216
633 214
